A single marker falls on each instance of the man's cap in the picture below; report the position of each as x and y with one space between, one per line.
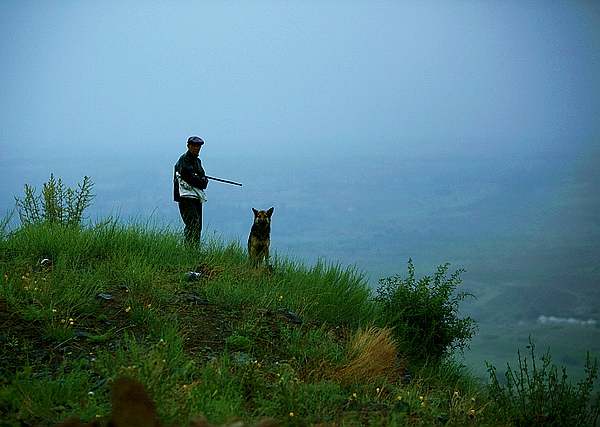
194 140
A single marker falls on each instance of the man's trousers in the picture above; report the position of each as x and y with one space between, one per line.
191 213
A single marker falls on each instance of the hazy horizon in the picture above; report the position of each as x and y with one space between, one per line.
461 132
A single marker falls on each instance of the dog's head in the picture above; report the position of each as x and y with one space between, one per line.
262 217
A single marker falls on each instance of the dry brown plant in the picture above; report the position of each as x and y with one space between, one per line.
372 356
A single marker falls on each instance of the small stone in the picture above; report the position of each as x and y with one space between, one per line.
195 299
294 318
193 276
242 358
98 384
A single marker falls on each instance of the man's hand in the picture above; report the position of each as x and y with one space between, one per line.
204 183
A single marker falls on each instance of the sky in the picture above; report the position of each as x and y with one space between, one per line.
298 78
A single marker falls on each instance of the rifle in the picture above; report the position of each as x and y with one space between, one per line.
223 180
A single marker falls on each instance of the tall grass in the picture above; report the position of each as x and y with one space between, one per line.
314 375
345 371
154 261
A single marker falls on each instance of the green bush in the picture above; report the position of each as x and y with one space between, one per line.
424 314
539 396
56 204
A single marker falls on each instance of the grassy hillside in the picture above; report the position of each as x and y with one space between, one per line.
82 306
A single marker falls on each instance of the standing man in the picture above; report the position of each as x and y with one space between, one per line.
189 184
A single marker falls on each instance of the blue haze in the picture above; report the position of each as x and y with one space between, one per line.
461 132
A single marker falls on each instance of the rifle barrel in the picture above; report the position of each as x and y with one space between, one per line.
223 180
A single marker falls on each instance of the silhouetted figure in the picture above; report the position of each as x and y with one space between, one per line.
189 183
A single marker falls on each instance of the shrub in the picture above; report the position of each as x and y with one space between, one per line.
56 204
424 313
538 396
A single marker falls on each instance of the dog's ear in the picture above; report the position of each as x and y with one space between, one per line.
255 211
270 212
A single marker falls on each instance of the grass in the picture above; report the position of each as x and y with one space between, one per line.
342 366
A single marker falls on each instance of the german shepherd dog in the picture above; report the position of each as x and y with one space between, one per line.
260 237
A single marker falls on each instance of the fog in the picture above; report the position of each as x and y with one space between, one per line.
455 132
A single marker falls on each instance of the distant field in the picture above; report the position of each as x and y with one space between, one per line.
498 345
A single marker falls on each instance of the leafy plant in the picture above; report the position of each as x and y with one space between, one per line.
4 224
57 204
424 313
50 395
539 396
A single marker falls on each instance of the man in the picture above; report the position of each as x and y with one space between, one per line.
189 184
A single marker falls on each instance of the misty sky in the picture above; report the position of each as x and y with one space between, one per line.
447 131
302 78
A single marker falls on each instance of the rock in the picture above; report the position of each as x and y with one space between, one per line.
182 296
98 384
242 358
294 318
193 276
195 299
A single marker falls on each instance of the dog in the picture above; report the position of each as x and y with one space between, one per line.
260 237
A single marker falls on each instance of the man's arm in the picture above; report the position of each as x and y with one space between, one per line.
192 175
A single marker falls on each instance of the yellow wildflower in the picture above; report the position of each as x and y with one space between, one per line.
423 404
128 309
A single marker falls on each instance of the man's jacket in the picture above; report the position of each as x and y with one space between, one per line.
189 179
